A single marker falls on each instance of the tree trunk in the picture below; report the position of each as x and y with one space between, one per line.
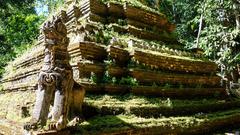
200 24
199 30
236 7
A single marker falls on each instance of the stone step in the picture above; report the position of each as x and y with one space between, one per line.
120 55
156 91
51 132
151 59
34 56
125 124
145 34
158 20
22 73
143 76
133 125
94 6
179 93
115 9
173 63
149 107
149 35
8 127
92 51
128 11
150 77
21 86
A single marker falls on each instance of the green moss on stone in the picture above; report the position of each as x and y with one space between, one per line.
188 124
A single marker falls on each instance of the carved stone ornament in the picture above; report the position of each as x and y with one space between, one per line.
55 81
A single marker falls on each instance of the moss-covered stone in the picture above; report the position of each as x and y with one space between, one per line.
130 124
12 104
155 107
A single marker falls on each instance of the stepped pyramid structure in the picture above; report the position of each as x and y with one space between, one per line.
138 78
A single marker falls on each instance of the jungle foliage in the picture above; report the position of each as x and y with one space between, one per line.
19 25
18 28
212 25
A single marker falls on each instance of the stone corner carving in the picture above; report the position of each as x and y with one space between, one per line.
55 81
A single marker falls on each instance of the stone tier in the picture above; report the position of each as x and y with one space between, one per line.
157 91
158 20
161 63
149 113
116 71
144 34
173 63
22 73
86 70
132 125
92 51
183 93
31 57
151 77
152 59
10 128
21 86
121 56
127 11
148 76
99 12
93 6
154 107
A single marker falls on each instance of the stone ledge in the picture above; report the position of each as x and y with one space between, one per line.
179 93
155 106
93 51
174 93
120 55
22 73
147 76
10 128
173 63
131 125
52 132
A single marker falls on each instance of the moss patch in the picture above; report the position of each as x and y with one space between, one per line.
11 105
154 107
133 100
131 123
121 122
134 3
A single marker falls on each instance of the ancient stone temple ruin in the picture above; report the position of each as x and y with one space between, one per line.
138 78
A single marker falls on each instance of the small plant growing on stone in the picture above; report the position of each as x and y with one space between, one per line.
122 22
181 86
107 78
114 80
169 102
154 84
93 78
199 86
128 81
1 88
167 86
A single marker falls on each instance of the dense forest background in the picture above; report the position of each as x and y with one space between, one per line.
212 25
